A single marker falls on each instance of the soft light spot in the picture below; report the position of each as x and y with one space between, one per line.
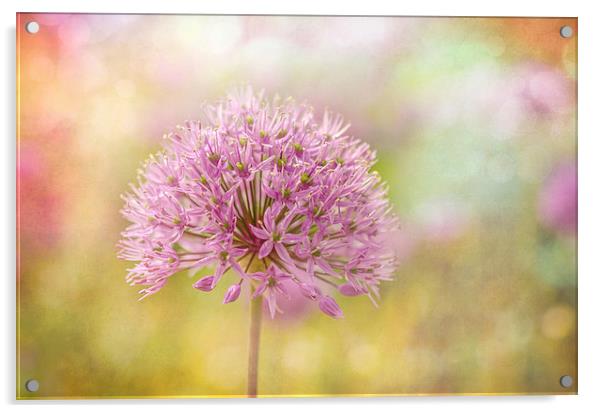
125 88
558 321
363 358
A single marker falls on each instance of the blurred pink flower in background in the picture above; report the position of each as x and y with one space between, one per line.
74 32
443 220
52 19
558 199
40 205
546 89
295 308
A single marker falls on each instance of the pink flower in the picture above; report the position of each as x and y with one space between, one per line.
558 200
271 284
273 236
266 183
315 253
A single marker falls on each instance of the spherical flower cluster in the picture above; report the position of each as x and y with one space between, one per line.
267 190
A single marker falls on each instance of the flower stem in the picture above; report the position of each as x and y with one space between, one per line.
254 335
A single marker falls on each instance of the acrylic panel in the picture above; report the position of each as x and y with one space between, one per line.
241 206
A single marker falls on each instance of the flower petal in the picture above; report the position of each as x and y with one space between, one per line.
268 219
266 249
310 291
219 271
257 275
293 238
322 263
236 267
272 305
283 253
260 289
265 165
259 232
310 266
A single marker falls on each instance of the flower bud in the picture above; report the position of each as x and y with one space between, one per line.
330 307
351 290
205 284
232 293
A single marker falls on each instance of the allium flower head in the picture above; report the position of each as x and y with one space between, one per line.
269 191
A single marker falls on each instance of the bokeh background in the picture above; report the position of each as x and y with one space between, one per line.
474 121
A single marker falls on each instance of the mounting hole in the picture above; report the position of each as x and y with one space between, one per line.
566 31
32 385
566 381
32 27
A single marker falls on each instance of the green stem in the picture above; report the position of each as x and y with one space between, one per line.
254 335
